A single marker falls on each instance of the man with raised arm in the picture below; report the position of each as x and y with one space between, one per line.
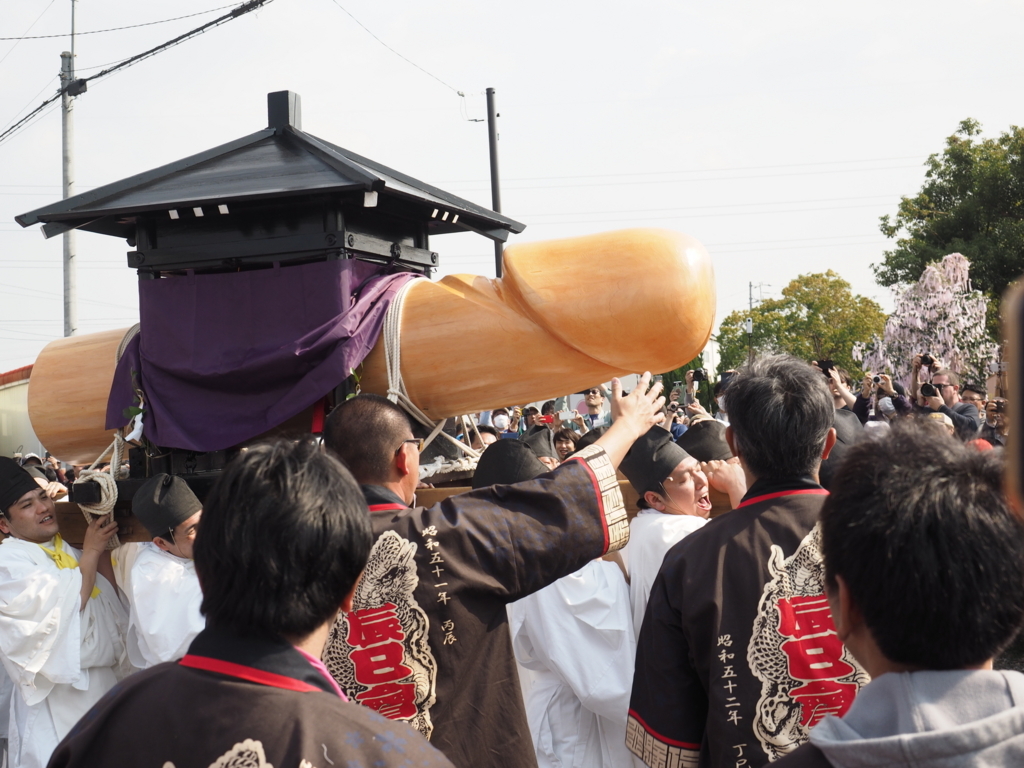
427 640
62 623
737 656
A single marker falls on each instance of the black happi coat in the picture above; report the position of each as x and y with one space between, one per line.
428 642
236 701
738 656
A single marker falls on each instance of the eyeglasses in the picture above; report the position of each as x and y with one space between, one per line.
940 386
594 392
419 441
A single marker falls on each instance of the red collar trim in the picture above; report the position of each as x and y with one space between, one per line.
387 507
659 737
780 494
251 674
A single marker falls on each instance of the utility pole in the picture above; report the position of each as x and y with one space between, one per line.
492 141
67 77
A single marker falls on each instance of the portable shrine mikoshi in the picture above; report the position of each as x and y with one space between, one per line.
267 267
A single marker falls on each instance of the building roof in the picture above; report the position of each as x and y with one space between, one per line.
280 161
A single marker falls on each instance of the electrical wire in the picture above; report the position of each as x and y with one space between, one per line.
48 82
118 29
695 170
241 10
27 30
404 58
686 181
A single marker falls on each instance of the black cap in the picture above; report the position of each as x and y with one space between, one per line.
651 459
15 482
164 502
541 440
705 441
506 462
590 438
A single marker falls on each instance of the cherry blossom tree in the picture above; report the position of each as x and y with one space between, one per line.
940 314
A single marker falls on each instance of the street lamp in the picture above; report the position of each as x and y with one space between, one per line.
748 326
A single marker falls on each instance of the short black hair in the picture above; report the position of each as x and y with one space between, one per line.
780 411
364 432
548 408
285 534
920 531
481 428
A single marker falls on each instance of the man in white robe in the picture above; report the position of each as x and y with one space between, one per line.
575 640
61 619
165 593
673 503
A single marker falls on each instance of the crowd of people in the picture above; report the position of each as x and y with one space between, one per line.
817 573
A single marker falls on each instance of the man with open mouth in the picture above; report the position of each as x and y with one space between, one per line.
673 503
62 622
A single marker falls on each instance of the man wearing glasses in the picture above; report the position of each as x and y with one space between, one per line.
595 415
965 417
427 640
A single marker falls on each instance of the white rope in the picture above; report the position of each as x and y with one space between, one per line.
107 481
108 497
397 392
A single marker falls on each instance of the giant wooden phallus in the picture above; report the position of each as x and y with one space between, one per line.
566 315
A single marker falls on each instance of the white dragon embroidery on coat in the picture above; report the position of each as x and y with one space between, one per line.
805 671
380 653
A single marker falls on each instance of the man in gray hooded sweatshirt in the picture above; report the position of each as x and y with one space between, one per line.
924 569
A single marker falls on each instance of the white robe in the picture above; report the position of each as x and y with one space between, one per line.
60 658
165 600
651 535
575 640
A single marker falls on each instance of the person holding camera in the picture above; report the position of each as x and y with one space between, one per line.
996 427
942 395
885 397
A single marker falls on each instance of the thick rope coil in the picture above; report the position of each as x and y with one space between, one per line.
396 386
108 497
107 482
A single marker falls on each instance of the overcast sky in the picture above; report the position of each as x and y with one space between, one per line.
776 134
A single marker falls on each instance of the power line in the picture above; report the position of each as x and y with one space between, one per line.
47 85
28 30
118 29
689 181
241 10
695 170
404 58
706 207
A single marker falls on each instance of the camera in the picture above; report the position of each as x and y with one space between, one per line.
1000 406
929 390
877 379
826 366
699 374
927 361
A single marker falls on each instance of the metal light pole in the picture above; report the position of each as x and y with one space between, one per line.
492 141
67 77
748 326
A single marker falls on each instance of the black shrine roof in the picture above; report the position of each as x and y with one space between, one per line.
280 161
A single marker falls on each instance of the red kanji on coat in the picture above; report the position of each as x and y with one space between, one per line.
377 637
814 655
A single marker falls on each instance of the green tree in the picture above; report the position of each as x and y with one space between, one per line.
972 202
817 318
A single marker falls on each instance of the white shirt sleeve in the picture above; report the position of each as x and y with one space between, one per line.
165 602
40 625
579 628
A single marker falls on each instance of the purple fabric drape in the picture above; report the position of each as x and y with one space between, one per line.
223 358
